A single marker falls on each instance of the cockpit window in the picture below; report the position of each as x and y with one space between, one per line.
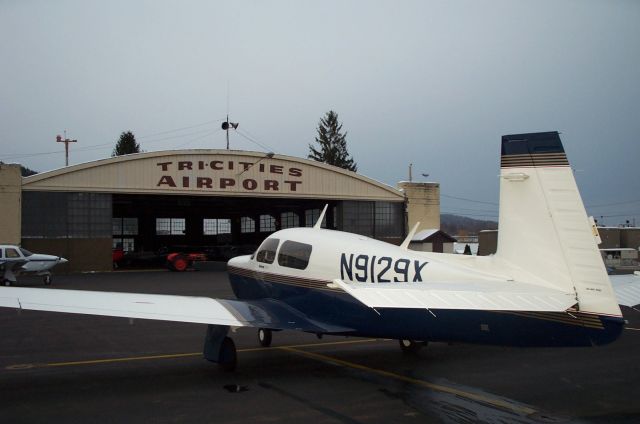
11 253
294 254
267 252
25 252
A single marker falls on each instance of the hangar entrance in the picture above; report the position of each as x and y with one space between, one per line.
147 224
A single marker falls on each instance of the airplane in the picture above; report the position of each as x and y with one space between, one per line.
545 286
14 260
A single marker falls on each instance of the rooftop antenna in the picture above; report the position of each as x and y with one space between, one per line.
226 125
66 142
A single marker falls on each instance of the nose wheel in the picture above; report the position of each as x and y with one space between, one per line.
264 337
47 280
410 347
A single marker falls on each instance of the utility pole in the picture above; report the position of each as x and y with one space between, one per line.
66 142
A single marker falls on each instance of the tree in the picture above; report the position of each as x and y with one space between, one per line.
332 144
27 171
24 171
126 145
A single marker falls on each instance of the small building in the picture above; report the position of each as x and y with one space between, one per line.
432 240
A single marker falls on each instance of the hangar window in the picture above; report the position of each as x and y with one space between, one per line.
267 252
311 216
294 255
212 227
126 244
247 225
170 226
289 220
124 226
267 223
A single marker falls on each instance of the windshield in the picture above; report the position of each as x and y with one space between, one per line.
25 252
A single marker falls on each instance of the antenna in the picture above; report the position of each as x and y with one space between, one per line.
226 125
319 221
66 142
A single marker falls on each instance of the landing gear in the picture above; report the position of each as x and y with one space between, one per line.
264 337
410 347
6 283
47 280
228 359
219 348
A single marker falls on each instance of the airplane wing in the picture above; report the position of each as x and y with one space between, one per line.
487 296
627 288
203 310
10 267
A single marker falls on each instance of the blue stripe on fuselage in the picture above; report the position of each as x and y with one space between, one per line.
485 327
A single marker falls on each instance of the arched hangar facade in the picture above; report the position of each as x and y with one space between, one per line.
160 201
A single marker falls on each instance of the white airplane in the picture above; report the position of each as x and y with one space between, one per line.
14 260
545 286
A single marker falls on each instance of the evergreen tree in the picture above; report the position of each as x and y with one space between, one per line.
126 145
27 171
332 144
24 171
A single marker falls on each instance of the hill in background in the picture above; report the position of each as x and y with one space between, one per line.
457 225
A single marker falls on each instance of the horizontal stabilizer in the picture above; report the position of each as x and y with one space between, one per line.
627 288
485 296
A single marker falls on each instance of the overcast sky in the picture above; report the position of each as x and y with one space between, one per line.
433 83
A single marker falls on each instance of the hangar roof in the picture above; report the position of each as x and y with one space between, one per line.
209 172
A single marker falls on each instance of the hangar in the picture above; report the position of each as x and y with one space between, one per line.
155 201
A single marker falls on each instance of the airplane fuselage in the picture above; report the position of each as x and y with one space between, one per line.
359 259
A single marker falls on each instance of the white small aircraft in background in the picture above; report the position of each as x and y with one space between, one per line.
15 260
545 286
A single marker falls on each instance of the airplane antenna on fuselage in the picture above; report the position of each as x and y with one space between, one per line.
319 221
405 243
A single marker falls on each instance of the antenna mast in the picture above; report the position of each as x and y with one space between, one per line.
226 125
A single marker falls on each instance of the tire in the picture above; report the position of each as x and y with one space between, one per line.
180 263
264 337
228 359
409 347
47 280
6 283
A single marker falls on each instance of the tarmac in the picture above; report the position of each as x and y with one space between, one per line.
77 368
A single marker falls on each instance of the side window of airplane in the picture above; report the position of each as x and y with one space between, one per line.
294 255
267 252
12 253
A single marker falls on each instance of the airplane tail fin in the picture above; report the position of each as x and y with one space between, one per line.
543 226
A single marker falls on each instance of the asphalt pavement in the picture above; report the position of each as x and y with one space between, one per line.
76 368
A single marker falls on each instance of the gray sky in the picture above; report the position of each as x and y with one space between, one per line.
433 83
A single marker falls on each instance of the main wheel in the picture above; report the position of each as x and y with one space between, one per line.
264 337
409 347
47 280
6 283
228 359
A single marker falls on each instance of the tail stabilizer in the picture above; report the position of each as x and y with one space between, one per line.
543 226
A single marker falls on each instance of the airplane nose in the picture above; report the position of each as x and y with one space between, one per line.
62 260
